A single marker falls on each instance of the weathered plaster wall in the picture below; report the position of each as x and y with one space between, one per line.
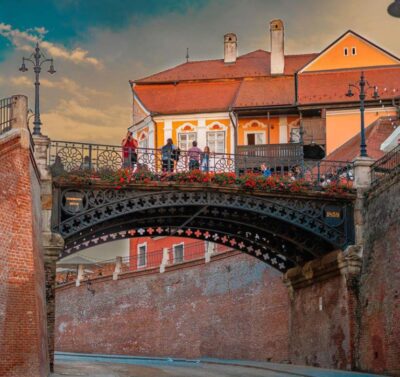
232 307
322 312
379 335
23 342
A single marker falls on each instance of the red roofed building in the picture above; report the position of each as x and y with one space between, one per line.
263 97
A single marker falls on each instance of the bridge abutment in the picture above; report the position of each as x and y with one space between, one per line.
23 333
323 304
52 243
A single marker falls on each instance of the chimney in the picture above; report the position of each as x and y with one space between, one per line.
230 48
277 47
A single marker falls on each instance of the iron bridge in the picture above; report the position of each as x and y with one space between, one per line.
282 230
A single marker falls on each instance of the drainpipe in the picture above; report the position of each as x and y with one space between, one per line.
234 120
235 130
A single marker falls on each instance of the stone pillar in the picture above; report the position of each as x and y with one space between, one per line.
53 243
117 270
323 301
80 274
362 182
165 260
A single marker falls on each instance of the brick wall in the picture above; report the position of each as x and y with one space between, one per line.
232 307
23 343
379 336
320 324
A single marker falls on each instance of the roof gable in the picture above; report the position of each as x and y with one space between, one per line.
350 51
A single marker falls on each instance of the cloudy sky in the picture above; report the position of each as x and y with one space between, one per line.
98 45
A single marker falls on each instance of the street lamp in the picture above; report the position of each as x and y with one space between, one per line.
37 58
362 86
394 8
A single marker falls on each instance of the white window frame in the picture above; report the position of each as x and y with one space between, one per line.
140 245
263 133
183 251
190 143
143 139
216 131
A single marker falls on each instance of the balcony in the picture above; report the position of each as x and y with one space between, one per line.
286 154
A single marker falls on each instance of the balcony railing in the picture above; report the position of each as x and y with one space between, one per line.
259 154
69 157
5 115
386 166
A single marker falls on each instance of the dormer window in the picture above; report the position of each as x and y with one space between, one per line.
346 51
353 51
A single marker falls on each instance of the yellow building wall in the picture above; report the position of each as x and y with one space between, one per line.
341 127
159 135
177 124
255 127
366 56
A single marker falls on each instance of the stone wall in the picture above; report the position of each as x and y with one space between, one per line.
233 307
379 312
322 311
23 343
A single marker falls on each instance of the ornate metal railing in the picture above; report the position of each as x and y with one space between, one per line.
67 157
5 115
386 166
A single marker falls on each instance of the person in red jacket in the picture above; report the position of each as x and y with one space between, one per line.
129 146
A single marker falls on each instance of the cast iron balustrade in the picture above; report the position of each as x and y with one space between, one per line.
5 115
69 157
386 166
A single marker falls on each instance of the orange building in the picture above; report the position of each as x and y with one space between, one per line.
263 97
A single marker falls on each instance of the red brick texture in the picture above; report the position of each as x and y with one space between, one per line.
233 307
23 343
321 331
379 334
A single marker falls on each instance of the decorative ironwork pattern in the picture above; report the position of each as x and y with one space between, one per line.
386 166
300 225
69 157
5 114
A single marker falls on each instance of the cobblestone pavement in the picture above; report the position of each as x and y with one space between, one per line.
91 367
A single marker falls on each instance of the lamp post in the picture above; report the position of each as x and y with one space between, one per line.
37 58
394 8
362 86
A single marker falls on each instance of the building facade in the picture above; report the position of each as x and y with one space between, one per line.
264 97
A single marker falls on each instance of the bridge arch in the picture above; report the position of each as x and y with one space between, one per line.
283 231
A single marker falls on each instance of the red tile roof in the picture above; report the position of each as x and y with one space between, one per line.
212 85
375 134
184 98
253 64
328 87
266 91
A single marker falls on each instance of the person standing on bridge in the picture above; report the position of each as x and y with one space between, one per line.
194 154
169 154
129 146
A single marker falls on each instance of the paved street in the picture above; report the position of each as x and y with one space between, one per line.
89 366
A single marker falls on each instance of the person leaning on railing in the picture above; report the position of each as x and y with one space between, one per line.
169 154
129 146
